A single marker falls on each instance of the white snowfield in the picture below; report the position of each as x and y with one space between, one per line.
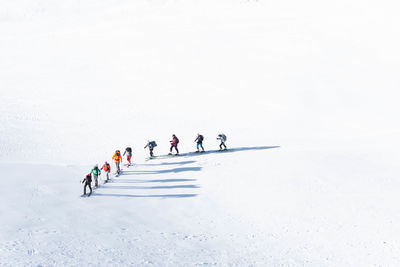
307 93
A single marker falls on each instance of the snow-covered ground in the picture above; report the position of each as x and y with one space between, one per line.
306 92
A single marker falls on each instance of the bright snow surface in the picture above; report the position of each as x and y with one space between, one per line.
306 91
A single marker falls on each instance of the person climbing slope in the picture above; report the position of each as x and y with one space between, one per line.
151 145
199 141
174 144
96 172
87 181
128 152
117 159
107 169
222 137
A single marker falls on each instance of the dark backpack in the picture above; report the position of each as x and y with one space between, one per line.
223 136
129 149
201 138
153 143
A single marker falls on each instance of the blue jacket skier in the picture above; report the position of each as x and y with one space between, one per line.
199 141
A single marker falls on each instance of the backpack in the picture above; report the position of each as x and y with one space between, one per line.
201 138
129 149
96 171
117 156
177 140
153 143
107 167
223 137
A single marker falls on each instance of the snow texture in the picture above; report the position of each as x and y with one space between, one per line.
306 92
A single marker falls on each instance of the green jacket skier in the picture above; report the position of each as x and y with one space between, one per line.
96 172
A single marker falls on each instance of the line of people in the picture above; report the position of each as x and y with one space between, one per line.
175 141
117 158
199 143
95 172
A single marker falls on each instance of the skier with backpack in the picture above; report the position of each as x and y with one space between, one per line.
117 159
151 145
106 167
199 141
96 172
222 137
87 181
128 152
174 144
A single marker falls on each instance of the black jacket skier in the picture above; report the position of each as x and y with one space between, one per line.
151 146
87 181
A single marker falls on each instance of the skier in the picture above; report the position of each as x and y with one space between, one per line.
117 159
96 172
87 181
151 145
174 144
199 141
222 137
128 152
106 167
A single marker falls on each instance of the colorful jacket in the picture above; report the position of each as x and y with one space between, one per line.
95 171
106 167
117 157
174 141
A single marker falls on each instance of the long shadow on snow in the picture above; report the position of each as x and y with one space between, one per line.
123 181
150 187
168 163
175 170
145 196
229 150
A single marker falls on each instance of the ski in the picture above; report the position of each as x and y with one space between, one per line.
128 165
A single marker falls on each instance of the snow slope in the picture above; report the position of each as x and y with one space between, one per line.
306 92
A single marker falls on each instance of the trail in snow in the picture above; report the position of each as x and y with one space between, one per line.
121 186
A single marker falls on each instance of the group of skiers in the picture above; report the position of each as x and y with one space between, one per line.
117 158
199 141
96 173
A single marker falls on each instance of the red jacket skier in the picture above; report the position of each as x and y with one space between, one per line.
174 144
